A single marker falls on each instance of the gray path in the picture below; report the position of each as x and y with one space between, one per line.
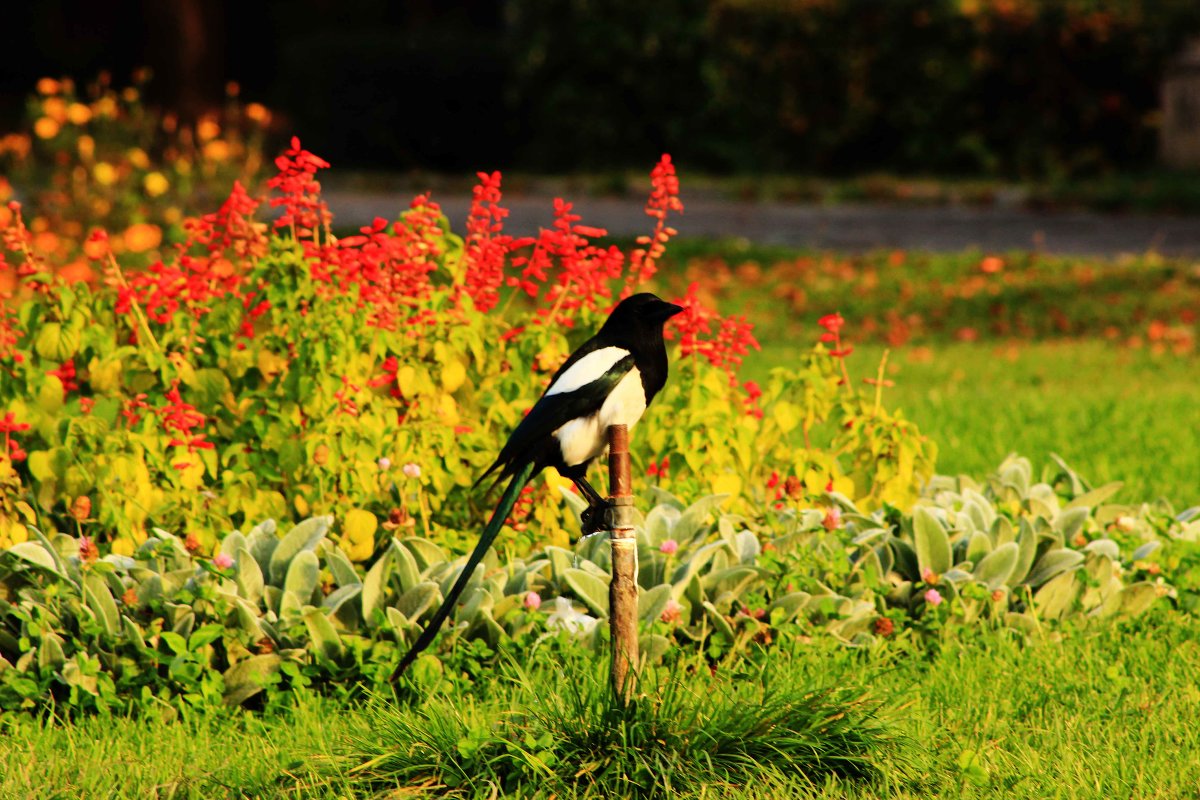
853 228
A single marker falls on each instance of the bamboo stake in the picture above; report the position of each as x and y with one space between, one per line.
622 591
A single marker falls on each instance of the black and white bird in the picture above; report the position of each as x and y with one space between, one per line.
609 380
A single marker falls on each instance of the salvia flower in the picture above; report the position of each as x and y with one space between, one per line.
933 597
669 547
222 561
533 601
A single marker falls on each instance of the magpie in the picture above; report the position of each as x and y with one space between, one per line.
609 380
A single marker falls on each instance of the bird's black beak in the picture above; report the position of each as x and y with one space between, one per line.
668 310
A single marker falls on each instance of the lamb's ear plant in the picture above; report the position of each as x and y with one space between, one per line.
276 607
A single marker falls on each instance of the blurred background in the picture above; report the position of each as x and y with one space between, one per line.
1002 89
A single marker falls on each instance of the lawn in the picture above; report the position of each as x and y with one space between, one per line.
1111 711
1111 412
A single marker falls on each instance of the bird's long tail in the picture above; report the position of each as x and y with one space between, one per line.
490 531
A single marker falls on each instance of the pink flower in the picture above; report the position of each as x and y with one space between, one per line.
671 612
384 463
669 547
833 519
929 576
933 597
997 595
223 561
533 601
411 470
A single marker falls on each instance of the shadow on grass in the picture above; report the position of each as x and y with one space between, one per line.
685 734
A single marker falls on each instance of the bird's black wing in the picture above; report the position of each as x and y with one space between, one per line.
551 412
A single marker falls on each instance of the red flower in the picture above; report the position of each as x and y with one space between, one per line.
831 322
9 426
183 418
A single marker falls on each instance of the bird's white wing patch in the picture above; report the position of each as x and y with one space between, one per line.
587 369
585 438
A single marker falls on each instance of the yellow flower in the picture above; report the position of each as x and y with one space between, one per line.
137 156
207 129
45 128
47 86
78 113
155 184
104 173
105 107
87 147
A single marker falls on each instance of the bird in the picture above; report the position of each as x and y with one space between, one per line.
609 380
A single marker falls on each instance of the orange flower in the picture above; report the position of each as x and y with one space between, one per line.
47 86
257 112
78 114
81 509
991 265
77 272
207 129
142 236
45 128
45 242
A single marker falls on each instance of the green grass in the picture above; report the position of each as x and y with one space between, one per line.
1112 413
1104 713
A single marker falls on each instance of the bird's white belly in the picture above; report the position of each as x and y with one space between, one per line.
584 438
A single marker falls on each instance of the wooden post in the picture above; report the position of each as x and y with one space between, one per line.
622 591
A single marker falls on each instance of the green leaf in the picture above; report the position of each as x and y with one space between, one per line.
405 565
978 546
932 543
1056 597
416 601
36 554
1052 564
344 573
302 538
651 602
1137 597
50 653
997 567
1095 497
100 601
1027 542
373 586
590 589
300 583
249 578
324 638
249 676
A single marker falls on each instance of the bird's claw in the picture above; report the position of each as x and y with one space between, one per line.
598 517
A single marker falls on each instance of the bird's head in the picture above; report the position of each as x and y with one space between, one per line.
642 312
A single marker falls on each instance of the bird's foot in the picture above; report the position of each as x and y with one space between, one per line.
598 517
